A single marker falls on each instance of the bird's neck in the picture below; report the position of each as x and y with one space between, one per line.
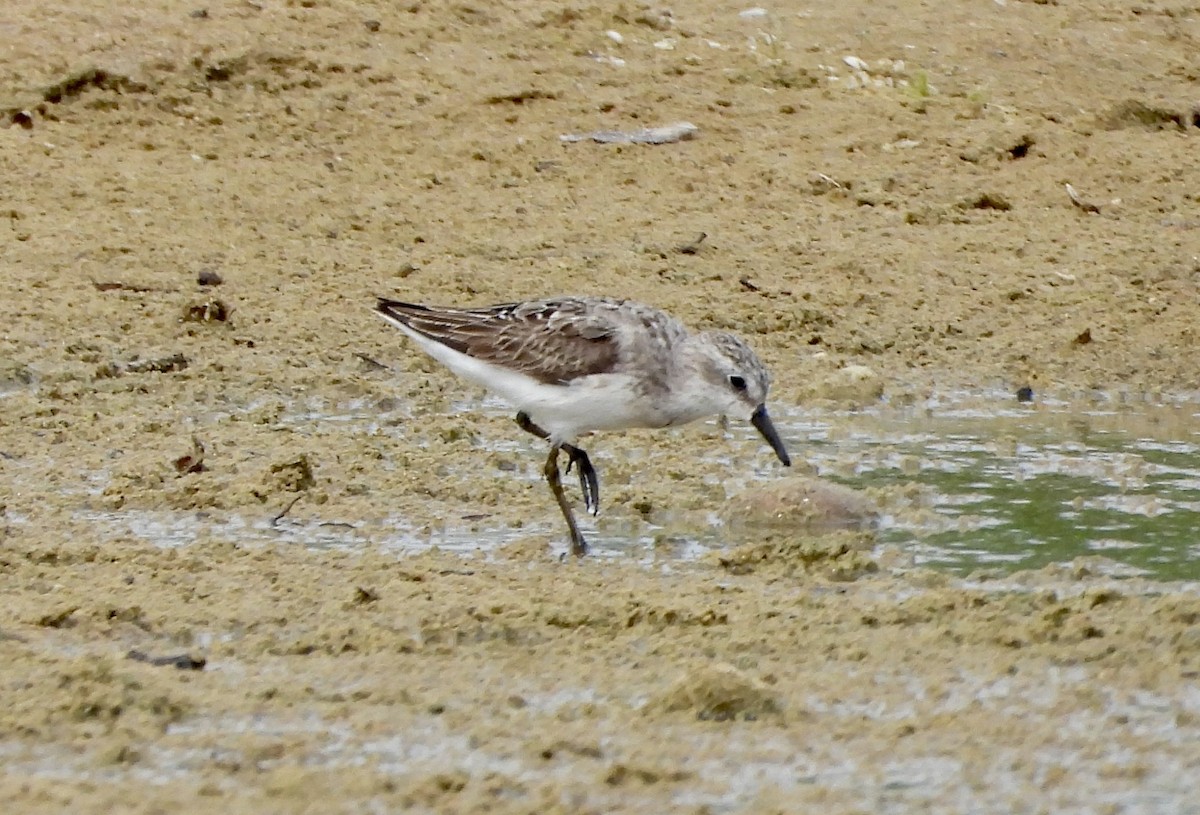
683 400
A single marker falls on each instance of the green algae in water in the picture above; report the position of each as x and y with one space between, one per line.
1025 489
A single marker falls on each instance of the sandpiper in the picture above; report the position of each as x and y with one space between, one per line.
572 365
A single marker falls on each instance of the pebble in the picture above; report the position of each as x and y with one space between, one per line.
801 503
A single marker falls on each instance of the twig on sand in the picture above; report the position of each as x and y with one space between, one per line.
692 247
286 510
373 364
1086 206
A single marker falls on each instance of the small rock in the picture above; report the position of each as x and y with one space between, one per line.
801 504
211 311
719 692
192 461
365 595
854 384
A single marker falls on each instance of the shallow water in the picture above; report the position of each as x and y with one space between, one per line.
965 487
965 483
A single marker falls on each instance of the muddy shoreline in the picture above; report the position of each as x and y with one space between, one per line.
203 203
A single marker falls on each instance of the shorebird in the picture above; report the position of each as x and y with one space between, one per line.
573 365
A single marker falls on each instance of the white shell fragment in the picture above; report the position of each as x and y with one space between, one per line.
615 36
607 59
855 63
678 131
753 13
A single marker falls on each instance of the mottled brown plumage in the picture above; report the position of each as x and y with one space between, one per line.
553 341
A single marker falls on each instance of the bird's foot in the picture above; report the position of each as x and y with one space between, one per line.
589 481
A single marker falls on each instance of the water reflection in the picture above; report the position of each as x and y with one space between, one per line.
1025 487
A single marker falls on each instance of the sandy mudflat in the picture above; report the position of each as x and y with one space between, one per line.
903 228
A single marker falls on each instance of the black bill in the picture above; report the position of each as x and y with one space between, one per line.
762 422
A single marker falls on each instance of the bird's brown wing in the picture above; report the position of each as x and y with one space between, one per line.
552 341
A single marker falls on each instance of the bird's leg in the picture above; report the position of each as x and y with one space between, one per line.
578 544
589 481
525 423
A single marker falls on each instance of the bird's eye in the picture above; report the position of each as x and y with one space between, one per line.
737 383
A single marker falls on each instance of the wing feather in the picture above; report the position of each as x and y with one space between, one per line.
552 341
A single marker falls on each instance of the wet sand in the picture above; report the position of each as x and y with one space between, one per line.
895 231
